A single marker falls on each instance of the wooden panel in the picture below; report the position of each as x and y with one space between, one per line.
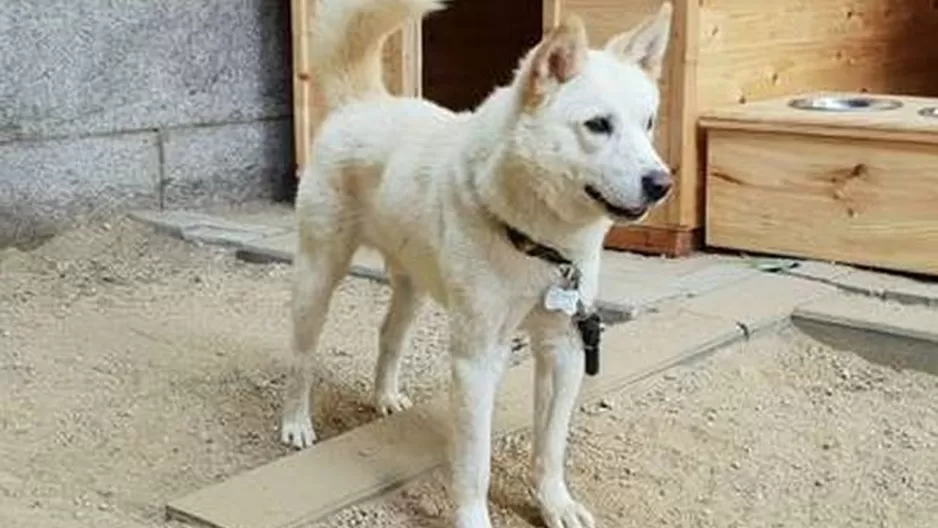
653 240
849 200
393 63
550 13
685 206
403 54
902 124
750 52
300 13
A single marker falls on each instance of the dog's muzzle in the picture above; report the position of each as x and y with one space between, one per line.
625 213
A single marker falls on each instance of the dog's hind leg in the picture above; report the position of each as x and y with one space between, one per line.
405 301
320 264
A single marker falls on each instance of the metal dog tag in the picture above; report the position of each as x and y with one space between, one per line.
564 300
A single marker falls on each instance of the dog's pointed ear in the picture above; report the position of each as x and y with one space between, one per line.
559 57
647 43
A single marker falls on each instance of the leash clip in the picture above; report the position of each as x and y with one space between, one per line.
590 327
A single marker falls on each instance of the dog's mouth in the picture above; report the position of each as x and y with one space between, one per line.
625 213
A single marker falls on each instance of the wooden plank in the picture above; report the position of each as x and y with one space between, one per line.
670 241
402 70
551 14
903 124
412 60
685 207
751 51
856 201
326 478
384 454
820 131
300 17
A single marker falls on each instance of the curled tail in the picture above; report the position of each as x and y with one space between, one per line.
347 41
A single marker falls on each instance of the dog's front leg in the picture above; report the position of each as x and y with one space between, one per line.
559 368
477 365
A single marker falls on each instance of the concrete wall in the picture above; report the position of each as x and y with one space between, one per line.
112 104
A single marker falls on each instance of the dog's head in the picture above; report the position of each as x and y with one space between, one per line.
586 120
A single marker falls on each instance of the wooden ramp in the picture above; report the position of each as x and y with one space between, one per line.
385 454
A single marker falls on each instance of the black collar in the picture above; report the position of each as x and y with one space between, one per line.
528 246
532 248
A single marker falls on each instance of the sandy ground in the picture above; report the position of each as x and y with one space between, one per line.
777 432
135 368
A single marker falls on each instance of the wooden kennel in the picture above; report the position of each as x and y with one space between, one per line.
722 52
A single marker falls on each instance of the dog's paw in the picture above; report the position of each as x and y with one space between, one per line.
392 402
298 432
473 516
559 510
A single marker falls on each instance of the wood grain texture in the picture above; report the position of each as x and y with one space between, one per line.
550 14
411 60
300 13
749 52
668 241
856 201
901 124
681 98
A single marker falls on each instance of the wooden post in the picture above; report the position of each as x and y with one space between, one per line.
300 17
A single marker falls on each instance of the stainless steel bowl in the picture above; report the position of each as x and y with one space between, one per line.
845 104
931 111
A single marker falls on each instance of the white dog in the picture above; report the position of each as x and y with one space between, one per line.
499 215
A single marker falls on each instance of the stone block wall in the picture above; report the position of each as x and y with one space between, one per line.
112 104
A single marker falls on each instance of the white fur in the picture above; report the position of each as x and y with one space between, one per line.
425 186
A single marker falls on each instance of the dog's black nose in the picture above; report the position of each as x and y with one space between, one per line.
656 185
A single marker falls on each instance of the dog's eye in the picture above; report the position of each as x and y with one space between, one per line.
650 124
599 125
